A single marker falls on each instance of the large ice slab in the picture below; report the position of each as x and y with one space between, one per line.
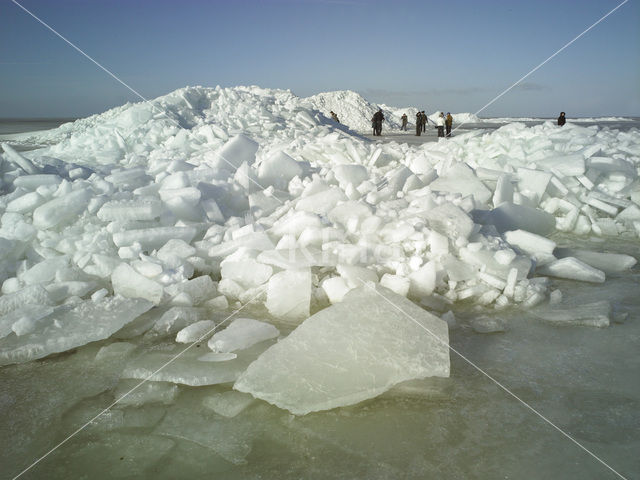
278 170
462 179
509 216
607 262
595 314
530 242
568 165
242 333
61 209
449 220
69 328
14 157
191 366
129 283
145 208
30 295
235 152
349 352
150 238
289 294
572 269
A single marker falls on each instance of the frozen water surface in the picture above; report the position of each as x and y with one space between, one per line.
521 235
582 379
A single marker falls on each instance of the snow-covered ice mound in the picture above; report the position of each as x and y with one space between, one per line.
207 199
356 112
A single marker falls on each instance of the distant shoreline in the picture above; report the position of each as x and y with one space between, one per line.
39 119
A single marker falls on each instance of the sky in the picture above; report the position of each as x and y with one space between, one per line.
454 55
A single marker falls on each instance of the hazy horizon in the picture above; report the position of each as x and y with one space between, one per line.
481 115
456 56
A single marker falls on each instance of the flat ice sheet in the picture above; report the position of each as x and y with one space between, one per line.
350 352
66 329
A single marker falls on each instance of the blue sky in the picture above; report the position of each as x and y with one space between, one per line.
437 55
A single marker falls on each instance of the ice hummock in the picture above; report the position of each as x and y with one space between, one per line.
349 352
249 195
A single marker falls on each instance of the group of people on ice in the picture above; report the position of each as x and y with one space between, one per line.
422 120
442 123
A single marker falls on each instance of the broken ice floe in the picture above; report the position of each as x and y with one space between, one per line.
255 196
349 352
67 328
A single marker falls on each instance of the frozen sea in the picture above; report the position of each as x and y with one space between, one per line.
586 381
12 126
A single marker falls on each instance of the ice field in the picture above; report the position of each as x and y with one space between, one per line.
320 279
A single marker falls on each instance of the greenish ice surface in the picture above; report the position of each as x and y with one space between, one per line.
473 425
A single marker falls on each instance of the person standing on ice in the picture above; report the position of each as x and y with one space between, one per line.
448 122
334 115
377 119
440 125
424 122
405 120
418 123
561 119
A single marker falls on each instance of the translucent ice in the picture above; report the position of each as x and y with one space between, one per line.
242 333
462 179
349 352
178 365
530 242
68 328
194 331
235 152
289 294
62 209
607 262
590 315
129 283
574 269
509 216
278 170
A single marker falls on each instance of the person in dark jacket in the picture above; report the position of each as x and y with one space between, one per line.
448 122
377 120
334 115
424 121
418 123
561 119
405 120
